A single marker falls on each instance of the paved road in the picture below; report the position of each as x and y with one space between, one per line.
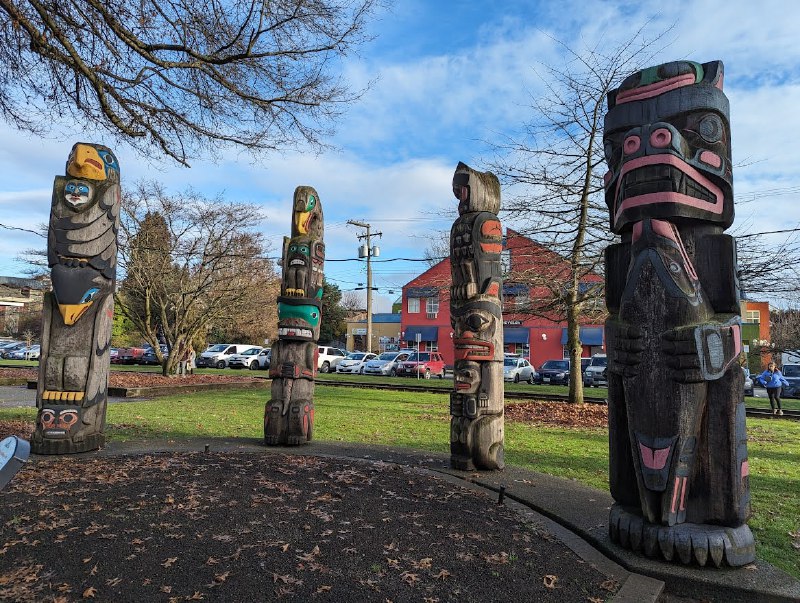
12 396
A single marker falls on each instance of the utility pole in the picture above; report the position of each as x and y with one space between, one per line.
367 251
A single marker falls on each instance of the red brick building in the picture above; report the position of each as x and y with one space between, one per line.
532 271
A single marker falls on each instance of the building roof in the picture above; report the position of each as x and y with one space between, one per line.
23 283
383 317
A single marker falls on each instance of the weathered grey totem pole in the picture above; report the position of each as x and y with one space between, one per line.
78 314
289 414
476 242
678 448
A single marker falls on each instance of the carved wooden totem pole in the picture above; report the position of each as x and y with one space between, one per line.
476 404
678 448
78 314
289 414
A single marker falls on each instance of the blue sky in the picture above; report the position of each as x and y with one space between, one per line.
448 76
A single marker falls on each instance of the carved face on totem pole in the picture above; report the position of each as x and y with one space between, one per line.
307 213
78 280
476 191
299 314
667 143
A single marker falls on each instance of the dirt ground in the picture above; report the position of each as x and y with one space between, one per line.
244 526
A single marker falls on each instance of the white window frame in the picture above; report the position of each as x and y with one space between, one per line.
432 305
753 316
413 305
431 346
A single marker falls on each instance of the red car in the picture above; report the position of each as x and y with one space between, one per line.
423 364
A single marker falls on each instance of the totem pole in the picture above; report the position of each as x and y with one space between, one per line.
289 414
677 441
78 314
476 404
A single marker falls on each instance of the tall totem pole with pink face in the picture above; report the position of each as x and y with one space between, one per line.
678 447
476 315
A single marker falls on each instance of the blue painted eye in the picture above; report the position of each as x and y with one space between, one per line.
89 295
70 188
292 248
304 249
109 159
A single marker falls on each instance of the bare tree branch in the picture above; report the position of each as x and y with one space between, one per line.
184 76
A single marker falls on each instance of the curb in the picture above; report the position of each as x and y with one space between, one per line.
165 390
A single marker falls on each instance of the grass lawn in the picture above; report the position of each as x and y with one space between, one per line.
421 421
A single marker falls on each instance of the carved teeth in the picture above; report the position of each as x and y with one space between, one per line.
49 394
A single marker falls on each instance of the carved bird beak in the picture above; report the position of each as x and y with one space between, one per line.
303 220
72 312
85 162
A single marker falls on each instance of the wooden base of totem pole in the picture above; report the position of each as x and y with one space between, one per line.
292 426
91 442
702 544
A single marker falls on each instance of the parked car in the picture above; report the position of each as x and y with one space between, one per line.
553 372
423 364
113 355
792 374
24 353
355 362
11 347
217 355
748 382
149 355
264 357
328 358
595 374
247 359
517 369
386 363
130 355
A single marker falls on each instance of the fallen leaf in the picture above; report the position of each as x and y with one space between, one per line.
89 593
220 578
443 575
752 567
323 589
609 585
166 589
550 581
409 578
169 562
113 581
197 596
212 561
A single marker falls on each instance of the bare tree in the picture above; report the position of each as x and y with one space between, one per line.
555 171
189 262
352 302
438 247
180 76
769 271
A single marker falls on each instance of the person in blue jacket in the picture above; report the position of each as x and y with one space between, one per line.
773 380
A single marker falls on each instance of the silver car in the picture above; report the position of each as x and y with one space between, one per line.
517 369
385 364
355 362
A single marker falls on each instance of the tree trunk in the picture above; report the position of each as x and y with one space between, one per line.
574 345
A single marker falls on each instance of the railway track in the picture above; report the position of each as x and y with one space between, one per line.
793 415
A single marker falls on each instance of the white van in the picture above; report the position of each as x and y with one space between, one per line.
217 355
